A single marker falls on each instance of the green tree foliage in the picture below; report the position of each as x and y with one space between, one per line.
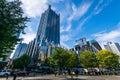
88 59
21 62
107 59
62 58
12 22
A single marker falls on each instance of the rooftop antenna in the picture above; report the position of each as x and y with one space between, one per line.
49 6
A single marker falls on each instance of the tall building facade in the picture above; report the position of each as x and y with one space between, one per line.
30 47
114 47
48 32
83 44
20 50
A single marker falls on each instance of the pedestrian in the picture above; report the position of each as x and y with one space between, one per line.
55 73
76 73
7 77
69 71
14 76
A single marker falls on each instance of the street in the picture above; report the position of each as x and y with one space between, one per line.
63 77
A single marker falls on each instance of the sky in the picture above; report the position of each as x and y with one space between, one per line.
93 19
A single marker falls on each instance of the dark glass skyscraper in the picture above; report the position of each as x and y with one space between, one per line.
48 31
49 28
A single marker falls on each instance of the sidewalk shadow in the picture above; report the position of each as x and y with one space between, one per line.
36 79
75 79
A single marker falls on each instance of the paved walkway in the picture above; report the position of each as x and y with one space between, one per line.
61 77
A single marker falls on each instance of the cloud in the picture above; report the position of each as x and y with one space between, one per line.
65 38
65 29
30 35
78 12
34 8
82 23
112 36
97 9
101 5
64 45
55 1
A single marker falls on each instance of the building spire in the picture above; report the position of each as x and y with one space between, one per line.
49 6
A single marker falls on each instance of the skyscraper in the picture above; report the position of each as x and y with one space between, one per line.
114 47
48 31
30 47
20 50
83 45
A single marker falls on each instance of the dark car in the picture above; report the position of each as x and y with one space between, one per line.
92 71
21 73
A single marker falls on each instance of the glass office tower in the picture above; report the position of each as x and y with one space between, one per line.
49 28
48 31
20 50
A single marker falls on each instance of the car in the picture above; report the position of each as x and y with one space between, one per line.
21 73
80 71
5 72
64 71
92 71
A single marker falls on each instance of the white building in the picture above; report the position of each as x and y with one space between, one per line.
114 47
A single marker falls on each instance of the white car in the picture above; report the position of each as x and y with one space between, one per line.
5 72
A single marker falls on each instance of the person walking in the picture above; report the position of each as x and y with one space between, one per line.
14 76
7 77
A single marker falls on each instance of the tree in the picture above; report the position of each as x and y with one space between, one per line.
108 59
62 58
88 59
21 62
12 23
72 60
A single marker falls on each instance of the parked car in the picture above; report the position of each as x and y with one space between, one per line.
5 72
64 71
79 70
21 73
92 71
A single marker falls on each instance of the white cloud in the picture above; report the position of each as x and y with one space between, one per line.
64 45
98 8
108 36
65 38
82 23
65 12
78 12
65 29
112 36
30 35
62 29
34 8
55 1
101 5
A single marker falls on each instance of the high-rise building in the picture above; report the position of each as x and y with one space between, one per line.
48 32
83 44
30 47
20 50
114 47
96 45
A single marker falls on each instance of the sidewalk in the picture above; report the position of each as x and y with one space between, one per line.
63 77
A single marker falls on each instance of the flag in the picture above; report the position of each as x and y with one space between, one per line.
38 64
10 62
